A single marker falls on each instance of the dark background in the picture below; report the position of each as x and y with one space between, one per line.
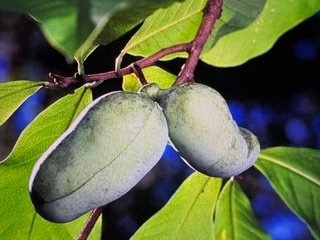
275 95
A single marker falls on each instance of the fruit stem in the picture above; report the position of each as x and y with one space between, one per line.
138 72
95 214
211 13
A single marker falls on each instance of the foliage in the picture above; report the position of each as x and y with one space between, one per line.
234 215
76 27
246 29
294 174
14 94
193 207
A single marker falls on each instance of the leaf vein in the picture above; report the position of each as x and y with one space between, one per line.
167 26
292 169
20 90
191 207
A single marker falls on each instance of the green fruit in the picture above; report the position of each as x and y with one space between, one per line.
114 142
202 130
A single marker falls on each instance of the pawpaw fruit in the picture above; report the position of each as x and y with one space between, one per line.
109 148
202 129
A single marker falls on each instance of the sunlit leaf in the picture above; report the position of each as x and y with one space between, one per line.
17 215
277 17
175 24
234 218
153 75
77 27
188 214
179 23
294 174
13 94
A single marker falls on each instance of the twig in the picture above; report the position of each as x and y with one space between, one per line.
61 81
211 13
90 224
138 72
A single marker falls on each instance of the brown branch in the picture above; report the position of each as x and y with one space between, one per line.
61 81
211 13
90 224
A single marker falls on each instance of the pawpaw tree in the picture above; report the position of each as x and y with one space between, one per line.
80 153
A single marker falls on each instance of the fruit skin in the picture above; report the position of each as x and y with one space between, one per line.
114 142
202 130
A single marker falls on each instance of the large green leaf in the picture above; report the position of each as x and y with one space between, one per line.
77 27
188 214
13 94
277 17
234 217
17 215
180 22
175 24
294 174
153 75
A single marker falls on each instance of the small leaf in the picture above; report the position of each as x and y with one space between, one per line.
188 214
13 94
17 215
179 23
76 28
234 217
153 75
276 18
294 174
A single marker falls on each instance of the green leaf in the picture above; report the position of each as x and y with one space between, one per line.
17 215
153 75
236 15
234 217
13 94
188 214
179 23
175 24
76 27
277 17
294 174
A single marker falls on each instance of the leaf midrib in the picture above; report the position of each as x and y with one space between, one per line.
191 207
20 90
232 213
292 169
77 105
32 225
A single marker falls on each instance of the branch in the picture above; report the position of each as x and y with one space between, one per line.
90 224
211 13
61 81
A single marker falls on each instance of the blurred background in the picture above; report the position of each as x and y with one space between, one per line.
276 96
